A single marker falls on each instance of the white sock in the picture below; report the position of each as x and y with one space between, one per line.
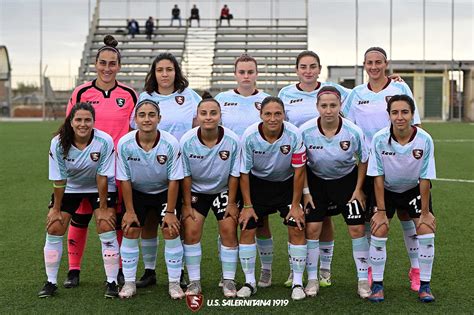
360 252
53 250
229 258
192 256
411 242
265 250
149 252
326 251
312 259
129 253
378 257
426 255
174 258
110 255
248 254
298 261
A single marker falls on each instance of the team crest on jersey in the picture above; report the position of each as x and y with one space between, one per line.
345 145
120 102
194 302
417 154
95 156
387 98
285 149
194 199
179 99
224 155
258 105
161 159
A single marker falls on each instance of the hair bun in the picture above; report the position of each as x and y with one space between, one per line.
109 40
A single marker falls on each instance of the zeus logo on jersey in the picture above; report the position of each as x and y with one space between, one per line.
68 159
417 154
315 147
120 102
285 149
388 153
296 101
95 156
131 158
194 156
179 99
258 152
224 155
230 104
161 159
345 145
363 102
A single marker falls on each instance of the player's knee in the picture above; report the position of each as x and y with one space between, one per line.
247 236
313 230
296 236
168 234
81 220
57 229
228 235
381 231
103 227
356 231
132 233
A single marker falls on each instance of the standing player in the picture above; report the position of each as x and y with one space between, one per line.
113 103
402 163
241 108
81 165
272 178
211 156
300 100
167 86
366 107
149 168
337 163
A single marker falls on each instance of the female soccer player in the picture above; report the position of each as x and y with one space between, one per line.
211 162
149 168
402 162
167 86
81 165
272 177
300 100
337 163
241 108
113 103
366 107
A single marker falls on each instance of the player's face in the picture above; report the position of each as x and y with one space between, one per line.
308 70
147 118
107 67
329 107
272 116
209 115
246 74
400 115
82 124
375 65
165 74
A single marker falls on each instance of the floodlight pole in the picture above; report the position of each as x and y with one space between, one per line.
391 32
41 58
356 42
453 93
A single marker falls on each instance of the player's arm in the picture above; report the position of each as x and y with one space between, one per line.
247 210
307 198
426 217
231 209
54 213
187 209
130 216
358 191
296 212
102 213
380 216
170 220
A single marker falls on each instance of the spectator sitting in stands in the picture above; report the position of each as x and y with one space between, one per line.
149 27
225 15
133 28
194 16
175 15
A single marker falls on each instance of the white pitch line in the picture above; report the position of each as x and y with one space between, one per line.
455 180
454 140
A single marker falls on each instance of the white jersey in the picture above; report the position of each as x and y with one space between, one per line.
177 110
402 165
272 161
81 167
210 168
368 109
238 111
300 106
333 158
149 172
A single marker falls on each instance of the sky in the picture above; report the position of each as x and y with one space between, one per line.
331 28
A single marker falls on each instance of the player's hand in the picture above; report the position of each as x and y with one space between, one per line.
378 219
53 216
232 211
396 77
104 214
245 215
358 195
297 214
171 222
128 219
428 219
188 211
308 200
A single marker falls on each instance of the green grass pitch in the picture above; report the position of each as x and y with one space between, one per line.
25 192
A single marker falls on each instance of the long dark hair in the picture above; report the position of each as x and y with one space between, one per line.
110 45
400 97
65 132
180 81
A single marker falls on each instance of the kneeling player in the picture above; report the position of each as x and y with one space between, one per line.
211 159
149 168
334 145
82 165
272 178
402 161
